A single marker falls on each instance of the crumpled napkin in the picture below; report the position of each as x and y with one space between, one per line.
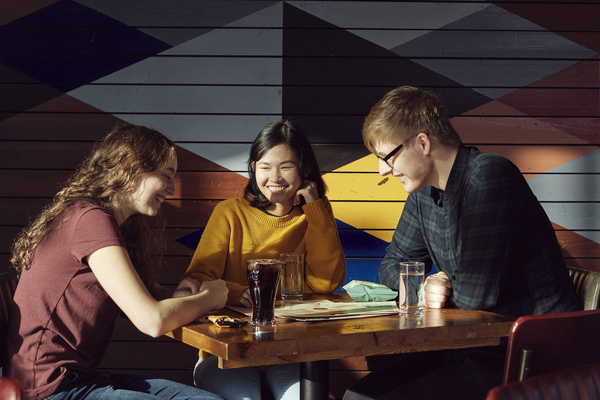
369 291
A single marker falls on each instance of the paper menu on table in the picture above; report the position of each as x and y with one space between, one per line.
322 310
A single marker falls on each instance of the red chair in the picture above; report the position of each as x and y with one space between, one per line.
9 389
540 344
579 383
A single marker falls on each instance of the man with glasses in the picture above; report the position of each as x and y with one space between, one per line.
473 216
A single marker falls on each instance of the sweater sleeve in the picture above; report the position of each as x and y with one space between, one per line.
210 258
325 261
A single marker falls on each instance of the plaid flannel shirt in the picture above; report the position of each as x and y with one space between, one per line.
490 235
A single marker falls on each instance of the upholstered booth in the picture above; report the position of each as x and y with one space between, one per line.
9 388
587 286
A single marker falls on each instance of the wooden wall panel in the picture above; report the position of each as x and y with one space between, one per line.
520 79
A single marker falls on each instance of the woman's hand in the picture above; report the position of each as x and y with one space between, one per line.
245 298
308 190
186 287
437 288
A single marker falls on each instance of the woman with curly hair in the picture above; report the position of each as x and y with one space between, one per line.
85 259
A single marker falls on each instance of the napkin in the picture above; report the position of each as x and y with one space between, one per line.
369 291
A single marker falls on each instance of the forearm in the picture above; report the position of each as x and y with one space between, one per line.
172 313
160 292
325 260
407 245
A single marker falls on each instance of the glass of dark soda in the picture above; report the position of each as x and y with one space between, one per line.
263 278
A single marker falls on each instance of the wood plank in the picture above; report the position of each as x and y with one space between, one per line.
189 185
478 130
34 154
43 155
121 99
244 70
567 17
590 264
67 156
160 354
60 117
22 210
574 246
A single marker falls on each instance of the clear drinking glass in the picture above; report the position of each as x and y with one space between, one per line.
292 287
412 279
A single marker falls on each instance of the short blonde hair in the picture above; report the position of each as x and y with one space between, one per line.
405 112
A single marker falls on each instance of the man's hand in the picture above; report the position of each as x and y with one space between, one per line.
437 288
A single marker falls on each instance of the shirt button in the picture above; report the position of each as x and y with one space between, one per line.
446 216
450 251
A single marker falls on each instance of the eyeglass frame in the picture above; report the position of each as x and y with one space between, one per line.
391 153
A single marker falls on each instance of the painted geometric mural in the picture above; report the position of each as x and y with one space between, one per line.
212 74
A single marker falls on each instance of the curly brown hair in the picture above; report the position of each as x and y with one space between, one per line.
109 171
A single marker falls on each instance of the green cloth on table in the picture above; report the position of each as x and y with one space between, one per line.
369 291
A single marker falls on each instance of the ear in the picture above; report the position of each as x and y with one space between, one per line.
424 143
307 172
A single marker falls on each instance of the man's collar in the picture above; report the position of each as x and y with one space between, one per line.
458 167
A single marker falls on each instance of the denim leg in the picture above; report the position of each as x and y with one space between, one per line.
131 387
284 381
447 374
232 384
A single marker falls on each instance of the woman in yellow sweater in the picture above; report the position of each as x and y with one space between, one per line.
283 210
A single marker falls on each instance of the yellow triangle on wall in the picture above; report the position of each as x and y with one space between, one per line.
364 199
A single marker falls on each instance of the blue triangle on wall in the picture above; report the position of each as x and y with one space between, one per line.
69 45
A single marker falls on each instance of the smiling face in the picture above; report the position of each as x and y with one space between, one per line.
410 164
151 190
278 178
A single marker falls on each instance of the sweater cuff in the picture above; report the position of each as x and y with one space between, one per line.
316 211
233 297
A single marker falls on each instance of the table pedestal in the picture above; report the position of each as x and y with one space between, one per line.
314 380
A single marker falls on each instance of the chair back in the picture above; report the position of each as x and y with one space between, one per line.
578 383
539 344
9 389
8 285
587 286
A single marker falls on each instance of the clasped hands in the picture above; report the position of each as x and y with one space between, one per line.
436 290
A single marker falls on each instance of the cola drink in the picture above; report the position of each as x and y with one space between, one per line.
263 278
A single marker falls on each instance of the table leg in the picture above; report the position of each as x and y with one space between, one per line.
314 380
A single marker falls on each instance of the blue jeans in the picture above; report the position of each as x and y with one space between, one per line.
102 386
245 383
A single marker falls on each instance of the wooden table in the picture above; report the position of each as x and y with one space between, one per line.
314 343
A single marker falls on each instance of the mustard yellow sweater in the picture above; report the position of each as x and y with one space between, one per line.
237 232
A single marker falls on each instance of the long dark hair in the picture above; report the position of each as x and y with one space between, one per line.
290 133
109 171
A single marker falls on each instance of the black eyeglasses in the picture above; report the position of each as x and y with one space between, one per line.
390 155
397 149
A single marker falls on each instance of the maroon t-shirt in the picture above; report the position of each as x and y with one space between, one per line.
62 319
